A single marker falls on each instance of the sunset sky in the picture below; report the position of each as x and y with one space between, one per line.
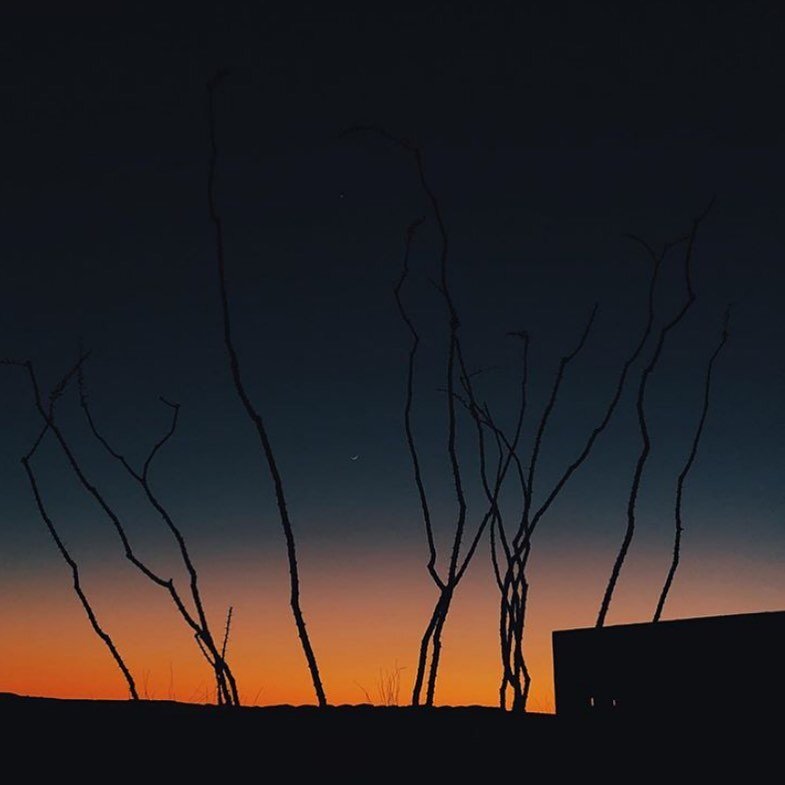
549 133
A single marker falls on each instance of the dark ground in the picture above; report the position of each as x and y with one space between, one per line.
159 741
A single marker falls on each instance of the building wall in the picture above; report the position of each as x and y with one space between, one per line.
690 666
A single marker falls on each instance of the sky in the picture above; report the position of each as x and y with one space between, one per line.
550 131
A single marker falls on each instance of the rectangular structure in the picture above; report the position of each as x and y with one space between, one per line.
691 666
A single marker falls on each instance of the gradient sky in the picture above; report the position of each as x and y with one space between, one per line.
549 131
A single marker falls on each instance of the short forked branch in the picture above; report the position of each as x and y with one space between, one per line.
226 685
47 414
65 553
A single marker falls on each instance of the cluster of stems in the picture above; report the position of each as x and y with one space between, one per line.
196 617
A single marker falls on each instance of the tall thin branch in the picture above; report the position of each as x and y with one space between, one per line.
408 405
564 362
71 562
643 425
454 371
507 455
227 629
102 634
514 585
686 470
251 411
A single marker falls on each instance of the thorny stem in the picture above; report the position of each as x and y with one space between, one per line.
47 414
642 423
227 687
565 361
226 631
407 417
514 583
99 631
512 625
456 568
686 470
252 412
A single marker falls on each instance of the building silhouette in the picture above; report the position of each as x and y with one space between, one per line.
690 666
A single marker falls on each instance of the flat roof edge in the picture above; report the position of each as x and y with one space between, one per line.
672 622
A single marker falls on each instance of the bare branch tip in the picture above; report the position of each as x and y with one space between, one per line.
709 207
170 404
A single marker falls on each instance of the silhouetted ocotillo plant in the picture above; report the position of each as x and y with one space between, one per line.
456 378
510 566
640 406
251 410
686 470
442 605
65 553
514 584
459 376
506 454
226 687
99 631
47 414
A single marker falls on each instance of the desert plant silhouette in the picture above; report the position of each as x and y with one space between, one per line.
226 686
64 552
250 408
226 692
458 391
640 404
688 464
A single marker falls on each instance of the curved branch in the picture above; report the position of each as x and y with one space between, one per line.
483 418
251 411
175 407
83 400
643 425
523 533
223 672
686 470
615 397
565 361
69 560
410 441
454 324
518 560
47 415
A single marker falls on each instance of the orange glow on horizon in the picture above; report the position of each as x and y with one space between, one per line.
364 619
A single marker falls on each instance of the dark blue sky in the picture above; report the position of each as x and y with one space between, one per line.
549 129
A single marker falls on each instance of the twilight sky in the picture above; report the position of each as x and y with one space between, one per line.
549 130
